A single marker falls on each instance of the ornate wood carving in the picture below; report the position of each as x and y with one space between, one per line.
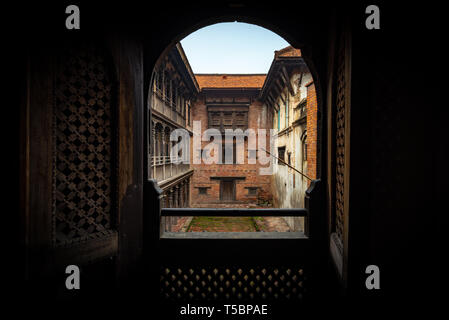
339 148
217 283
340 138
83 160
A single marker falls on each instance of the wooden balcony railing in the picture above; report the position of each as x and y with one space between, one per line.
160 160
313 214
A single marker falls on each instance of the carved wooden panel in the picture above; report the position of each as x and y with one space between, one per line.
228 120
233 283
83 160
241 120
340 109
215 119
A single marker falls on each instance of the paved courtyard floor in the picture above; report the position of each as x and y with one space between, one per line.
231 224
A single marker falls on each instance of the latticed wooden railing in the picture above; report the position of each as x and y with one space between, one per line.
160 160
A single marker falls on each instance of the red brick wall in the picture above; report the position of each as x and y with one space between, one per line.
203 172
311 132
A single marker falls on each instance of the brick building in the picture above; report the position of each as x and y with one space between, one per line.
284 100
290 94
230 101
174 87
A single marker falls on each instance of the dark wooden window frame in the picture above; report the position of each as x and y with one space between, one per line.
281 155
252 191
203 190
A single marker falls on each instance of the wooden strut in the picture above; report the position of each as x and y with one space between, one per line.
287 164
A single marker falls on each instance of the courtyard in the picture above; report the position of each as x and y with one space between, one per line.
230 224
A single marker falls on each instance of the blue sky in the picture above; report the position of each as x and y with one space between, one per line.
232 47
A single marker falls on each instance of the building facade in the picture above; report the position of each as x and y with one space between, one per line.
283 101
289 93
230 101
173 89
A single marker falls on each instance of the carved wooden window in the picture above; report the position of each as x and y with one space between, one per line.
83 159
228 120
240 120
215 119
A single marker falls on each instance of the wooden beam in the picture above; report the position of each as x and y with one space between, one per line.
277 91
300 78
268 102
270 99
282 98
284 75
278 83
275 104
270 96
281 90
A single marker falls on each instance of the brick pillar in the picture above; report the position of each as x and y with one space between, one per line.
311 131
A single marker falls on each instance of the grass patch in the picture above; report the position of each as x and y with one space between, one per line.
222 224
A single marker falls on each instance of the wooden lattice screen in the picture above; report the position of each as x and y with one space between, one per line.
340 137
83 193
232 283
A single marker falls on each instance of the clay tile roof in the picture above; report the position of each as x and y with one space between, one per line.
230 80
288 52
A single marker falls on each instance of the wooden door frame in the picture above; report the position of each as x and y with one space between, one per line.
228 180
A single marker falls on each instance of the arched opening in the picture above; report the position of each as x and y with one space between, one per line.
283 102
138 204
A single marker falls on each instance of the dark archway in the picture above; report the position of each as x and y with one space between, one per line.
136 49
185 255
